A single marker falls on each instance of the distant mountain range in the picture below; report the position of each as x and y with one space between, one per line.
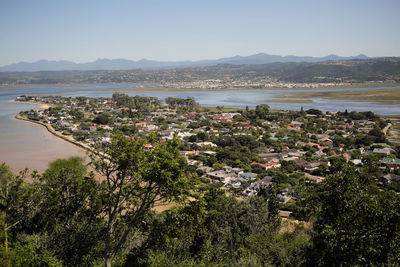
124 64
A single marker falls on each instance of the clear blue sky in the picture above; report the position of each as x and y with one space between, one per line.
82 31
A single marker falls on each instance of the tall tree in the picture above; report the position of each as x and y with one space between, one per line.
136 179
13 191
355 223
69 211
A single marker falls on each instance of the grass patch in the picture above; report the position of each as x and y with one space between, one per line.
379 96
71 86
290 101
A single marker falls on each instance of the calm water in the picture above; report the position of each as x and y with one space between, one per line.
24 144
27 145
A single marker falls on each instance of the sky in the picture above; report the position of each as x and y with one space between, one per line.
172 30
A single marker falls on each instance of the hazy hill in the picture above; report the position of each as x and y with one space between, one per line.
124 64
381 69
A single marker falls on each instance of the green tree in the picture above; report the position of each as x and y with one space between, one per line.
214 230
17 248
12 207
136 179
103 118
355 223
68 210
262 111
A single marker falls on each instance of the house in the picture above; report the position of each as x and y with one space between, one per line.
275 127
301 163
300 143
273 138
106 127
365 129
267 165
384 145
283 198
313 178
205 169
185 134
270 156
151 127
293 128
195 163
140 124
296 124
326 141
248 175
105 140
290 158
187 153
391 162
384 151
167 134
346 156
237 183
357 162
255 186
390 178
221 175
206 144
264 149
227 168
237 171
63 123
318 154
311 166
311 144
208 153
295 153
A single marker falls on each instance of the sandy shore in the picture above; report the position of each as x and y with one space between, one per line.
42 106
63 138
55 133
49 128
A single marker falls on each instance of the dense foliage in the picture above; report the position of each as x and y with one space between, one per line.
68 218
256 187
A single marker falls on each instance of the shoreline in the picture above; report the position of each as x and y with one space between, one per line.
53 132
59 136
42 106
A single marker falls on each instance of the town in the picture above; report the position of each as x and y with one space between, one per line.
237 149
345 73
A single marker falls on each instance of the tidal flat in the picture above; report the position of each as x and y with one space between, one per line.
381 96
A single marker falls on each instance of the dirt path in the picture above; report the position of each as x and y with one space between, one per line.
386 128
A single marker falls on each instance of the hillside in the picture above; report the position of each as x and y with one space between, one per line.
349 71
